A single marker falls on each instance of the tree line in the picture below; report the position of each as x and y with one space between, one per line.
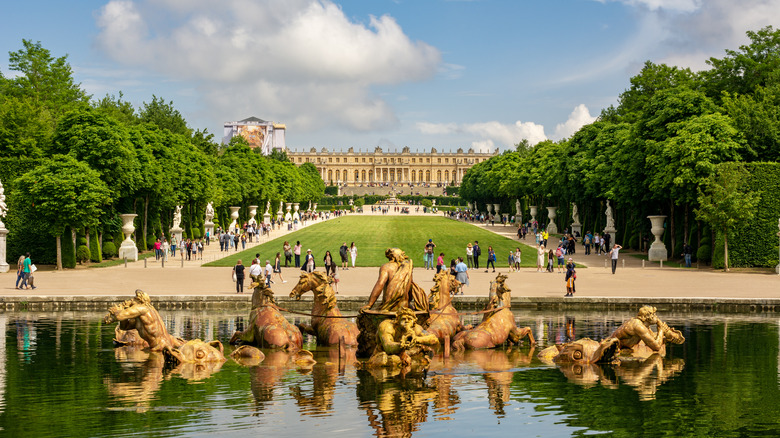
71 164
675 144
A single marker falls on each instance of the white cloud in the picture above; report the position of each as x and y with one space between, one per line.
577 119
296 61
654 5
489 133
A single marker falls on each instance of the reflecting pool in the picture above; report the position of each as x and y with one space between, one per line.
61 376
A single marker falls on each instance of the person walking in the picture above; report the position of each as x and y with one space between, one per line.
238 272
491 259
477 253
328 261
20 271
268 272
687 252
255 271
550 261
278 267
462 274
559 254
518 257
571 275
540 258
297 252
27 271
353 253
308 262
157 247
440 262
236 238
511 261
614 256
287 254
470 255
429 254
174 243
343 250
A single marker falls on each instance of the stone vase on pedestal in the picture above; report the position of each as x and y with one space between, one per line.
488 207
496 207
657 249
4 267
533 212
288 215
128 249
296 215
252 214
552 228
233 218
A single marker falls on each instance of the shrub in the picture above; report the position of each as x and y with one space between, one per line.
94 250
150 239
81 241
704 253
109 249
82 253
426 203
196 234
68 250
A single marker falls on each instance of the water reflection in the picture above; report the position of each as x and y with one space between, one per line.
69 357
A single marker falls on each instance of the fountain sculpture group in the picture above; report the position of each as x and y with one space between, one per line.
401 336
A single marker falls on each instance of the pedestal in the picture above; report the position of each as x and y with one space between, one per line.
4 267
657 249
128 249
267 218
208 227
552 228
576 228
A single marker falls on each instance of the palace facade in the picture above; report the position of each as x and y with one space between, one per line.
379 167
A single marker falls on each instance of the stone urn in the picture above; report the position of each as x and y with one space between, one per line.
496 207
233 218
252 214
552 228
533 212
488 207
657 249
288 206
296 215
128 249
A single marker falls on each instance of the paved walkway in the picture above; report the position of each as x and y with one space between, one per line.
596 281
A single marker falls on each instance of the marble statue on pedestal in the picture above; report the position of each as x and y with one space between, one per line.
610 220
177 217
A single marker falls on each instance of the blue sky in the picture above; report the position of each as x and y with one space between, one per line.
424 73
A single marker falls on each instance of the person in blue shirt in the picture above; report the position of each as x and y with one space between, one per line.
462 274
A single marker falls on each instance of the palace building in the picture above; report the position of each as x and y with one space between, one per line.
378 167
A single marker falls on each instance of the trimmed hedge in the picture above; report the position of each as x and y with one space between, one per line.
755 243
82 254
95 253
68 250
109 249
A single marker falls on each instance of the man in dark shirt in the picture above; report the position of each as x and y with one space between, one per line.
429 254
687 252
477 253
343 254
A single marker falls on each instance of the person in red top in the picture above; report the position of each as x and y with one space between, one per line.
440 263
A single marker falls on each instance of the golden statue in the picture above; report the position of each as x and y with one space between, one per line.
444 319
268 328
402 342
498 323
139 314
195 352
396 285
327 330
636 337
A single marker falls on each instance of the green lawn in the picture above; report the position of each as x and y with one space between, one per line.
374 234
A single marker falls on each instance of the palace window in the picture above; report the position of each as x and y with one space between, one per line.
337 160
429 160
439 160
330 160
412 160
446 160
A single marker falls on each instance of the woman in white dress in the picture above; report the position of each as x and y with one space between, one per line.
541 259
353 253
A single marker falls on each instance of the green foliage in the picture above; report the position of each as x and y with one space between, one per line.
150 239
359 202
724 203
82 254
109 249
704 254
68 250
754 242
81 240
95 253
164 115
331 190
426 203
196 233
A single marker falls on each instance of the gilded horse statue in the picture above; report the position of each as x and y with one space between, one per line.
444 319
328 326
498 323
268 328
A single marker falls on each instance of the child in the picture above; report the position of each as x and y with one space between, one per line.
335 276
571 275
511 261
518 255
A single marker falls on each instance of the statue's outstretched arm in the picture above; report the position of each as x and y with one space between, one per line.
652 340
117 313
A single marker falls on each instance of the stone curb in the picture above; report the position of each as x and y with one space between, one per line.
354 303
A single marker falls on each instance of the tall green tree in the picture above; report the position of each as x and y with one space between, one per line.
63 192
46 80
724 204
164 115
